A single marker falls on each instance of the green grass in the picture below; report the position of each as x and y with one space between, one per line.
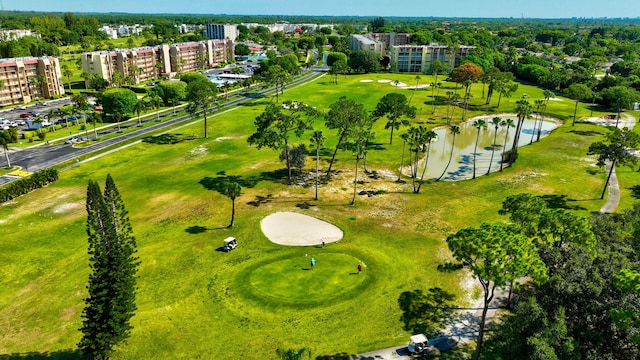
197 302
299 285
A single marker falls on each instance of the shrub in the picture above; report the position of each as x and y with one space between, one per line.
42 135
27 134
27 184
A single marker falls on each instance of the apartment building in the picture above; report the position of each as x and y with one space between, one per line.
221 32
392 39
362 42
25 79
418 58
154 61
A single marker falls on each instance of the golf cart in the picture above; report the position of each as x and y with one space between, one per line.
230 243
418 344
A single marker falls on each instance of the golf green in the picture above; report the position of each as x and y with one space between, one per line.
292 281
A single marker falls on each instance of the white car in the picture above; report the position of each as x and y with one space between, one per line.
20 107
74 139
13 124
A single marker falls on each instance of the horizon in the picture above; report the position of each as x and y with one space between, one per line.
461 9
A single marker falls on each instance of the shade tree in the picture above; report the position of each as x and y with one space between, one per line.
397 110
496 256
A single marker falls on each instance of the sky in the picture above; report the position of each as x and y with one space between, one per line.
384 8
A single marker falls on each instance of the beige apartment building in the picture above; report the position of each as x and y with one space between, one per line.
392 39
362 42
154 61
29 78
418 58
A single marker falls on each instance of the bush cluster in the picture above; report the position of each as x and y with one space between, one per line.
28 184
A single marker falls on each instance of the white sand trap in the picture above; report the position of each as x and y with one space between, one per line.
417 87
293 229
400 84
384 81
556 99
366 80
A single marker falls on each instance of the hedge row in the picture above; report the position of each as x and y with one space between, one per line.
28 184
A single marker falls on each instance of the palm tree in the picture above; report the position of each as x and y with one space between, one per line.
62 113
456 101
138 107
496 122
317 139
428 136
539 104
434 85
50 115
453 130
95 116
508 123
5 139
523 109
544 112
467 93
479 125
293 354
155 101
449 97
404 138
66 72
415 88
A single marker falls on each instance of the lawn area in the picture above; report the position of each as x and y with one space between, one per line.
195 301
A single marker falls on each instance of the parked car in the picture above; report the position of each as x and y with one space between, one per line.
74 139
21 122
42 103
20 107
26 115
35 113
13 124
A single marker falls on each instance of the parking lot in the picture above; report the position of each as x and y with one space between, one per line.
13 115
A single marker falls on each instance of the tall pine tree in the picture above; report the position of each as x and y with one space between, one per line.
112 282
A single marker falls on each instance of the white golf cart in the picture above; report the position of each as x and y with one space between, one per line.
230 243
418 344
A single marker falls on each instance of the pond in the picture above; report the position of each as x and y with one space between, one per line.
461 166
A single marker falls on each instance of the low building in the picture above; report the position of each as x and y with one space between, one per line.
151 62
25 79
418 58
8 35
111 33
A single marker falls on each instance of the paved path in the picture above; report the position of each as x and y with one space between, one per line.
613 199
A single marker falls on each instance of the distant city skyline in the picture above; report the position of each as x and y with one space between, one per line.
412 8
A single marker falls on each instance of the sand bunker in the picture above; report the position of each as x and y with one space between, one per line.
384 81
366 80
293 229
555 99
417 87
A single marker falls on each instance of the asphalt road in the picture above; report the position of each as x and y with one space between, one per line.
38 158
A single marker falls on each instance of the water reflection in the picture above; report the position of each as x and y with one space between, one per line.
461 167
